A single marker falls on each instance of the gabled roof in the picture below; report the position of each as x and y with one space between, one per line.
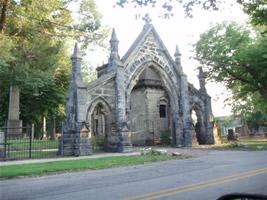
147 29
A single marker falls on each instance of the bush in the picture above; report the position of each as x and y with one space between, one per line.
98 142
165 138
152 152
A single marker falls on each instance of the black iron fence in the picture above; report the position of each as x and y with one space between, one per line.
19 143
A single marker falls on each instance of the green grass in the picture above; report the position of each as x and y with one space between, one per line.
19 148
13 171
249 144
21 144
34 154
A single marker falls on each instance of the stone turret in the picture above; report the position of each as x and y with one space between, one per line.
76 140
114 45
76 65
115 64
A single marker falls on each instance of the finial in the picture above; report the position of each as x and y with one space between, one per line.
76 51
177 52
113 36
147 19
114 45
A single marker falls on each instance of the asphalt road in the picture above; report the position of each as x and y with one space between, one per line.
204 178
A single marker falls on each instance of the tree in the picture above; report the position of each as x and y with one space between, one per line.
256 10
167 5
236 56
230 54
35 57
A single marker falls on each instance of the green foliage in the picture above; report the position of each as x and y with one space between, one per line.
256 10
165 138
34 53
98 142
153 152
89 75
249 144
168 5
236 57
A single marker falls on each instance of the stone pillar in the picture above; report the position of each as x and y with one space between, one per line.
208 117
76 140
124 140
14 124
176 130
186 112
209 121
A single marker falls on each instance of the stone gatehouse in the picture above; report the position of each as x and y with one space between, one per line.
135 100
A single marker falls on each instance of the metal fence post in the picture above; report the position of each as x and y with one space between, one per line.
5 141
30 149
62 138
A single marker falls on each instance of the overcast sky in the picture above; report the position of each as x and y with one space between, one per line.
177 30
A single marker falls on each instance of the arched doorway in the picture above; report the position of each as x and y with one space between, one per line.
149 110
198 129
99 118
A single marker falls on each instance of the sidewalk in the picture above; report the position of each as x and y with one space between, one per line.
195 152
97 155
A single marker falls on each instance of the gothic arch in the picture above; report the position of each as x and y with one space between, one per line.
199 127
171 89
168 82
94 103
99 121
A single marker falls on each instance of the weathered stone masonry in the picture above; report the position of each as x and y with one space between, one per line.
135 99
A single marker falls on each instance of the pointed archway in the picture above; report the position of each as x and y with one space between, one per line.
149 109
99 120
198 126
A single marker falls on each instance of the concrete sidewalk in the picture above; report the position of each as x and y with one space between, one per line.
97 155
195 152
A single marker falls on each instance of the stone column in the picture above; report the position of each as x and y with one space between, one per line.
209 121
14 124
76 140
186 112
124 135
124 140
175 128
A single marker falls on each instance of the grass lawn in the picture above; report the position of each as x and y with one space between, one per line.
20 148
13 171
52 153
22 144
250 144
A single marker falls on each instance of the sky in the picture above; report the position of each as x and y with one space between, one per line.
177 30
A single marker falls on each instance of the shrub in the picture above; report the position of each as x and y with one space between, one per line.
165 138
153 152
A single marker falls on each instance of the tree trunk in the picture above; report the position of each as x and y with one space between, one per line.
3 15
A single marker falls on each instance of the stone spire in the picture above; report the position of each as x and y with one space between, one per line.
202 79
76 52
76 63
114 45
